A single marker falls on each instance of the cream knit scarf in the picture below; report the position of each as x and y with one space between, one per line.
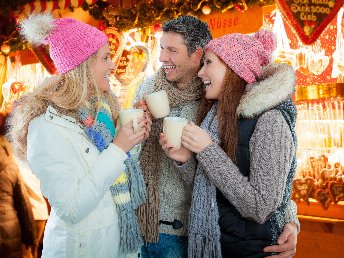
148 213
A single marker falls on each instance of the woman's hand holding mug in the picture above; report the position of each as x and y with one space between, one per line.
195 138
180 154
126 137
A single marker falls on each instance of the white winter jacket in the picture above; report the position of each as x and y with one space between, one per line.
75 178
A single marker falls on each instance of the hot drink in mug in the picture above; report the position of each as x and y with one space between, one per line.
158 103
173 129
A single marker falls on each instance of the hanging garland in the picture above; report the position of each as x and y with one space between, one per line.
146 14
8 7
9 35
142 15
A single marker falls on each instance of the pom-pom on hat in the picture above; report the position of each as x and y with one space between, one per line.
70 41
245 54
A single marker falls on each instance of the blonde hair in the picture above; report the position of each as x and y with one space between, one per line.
66 92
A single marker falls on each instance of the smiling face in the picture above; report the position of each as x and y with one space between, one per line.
179 66
212 74
102 68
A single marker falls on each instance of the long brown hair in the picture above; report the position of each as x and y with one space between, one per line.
233 87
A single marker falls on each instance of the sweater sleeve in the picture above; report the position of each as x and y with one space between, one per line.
271 151
290 215
187 170
144 88
73 189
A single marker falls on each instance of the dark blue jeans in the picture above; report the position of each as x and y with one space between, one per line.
169 246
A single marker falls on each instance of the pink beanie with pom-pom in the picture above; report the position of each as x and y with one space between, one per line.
70 41
245 54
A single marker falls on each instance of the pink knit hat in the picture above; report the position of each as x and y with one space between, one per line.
70 41
245 54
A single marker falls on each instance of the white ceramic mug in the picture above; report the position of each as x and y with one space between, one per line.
158 103
127 115
173 129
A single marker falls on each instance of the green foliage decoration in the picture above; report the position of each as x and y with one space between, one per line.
156 11
141 15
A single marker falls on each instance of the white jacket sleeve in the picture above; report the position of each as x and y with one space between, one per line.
72 188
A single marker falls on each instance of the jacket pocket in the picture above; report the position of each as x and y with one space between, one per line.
89 152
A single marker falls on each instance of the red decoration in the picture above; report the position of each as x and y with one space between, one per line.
116 41
39 6
157 27
101 25
132 64
239 7
309 18
42 54
16 87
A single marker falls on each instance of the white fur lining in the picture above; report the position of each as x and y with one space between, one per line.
276 83
36 28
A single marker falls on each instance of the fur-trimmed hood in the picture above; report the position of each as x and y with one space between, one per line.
275 85
26 108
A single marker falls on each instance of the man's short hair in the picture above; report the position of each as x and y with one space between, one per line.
195 32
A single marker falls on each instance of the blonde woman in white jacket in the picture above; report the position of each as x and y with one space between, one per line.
66 130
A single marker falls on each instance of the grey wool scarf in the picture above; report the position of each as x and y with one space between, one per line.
204 230
148 213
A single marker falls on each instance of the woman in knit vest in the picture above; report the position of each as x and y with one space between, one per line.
66 130
244 149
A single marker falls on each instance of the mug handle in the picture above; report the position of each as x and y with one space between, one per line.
135 126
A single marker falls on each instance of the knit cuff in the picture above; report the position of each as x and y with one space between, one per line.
189 165
187 169
290 215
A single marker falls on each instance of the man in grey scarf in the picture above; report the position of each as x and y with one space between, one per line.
164 217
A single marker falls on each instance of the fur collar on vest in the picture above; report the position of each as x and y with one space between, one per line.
276 83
